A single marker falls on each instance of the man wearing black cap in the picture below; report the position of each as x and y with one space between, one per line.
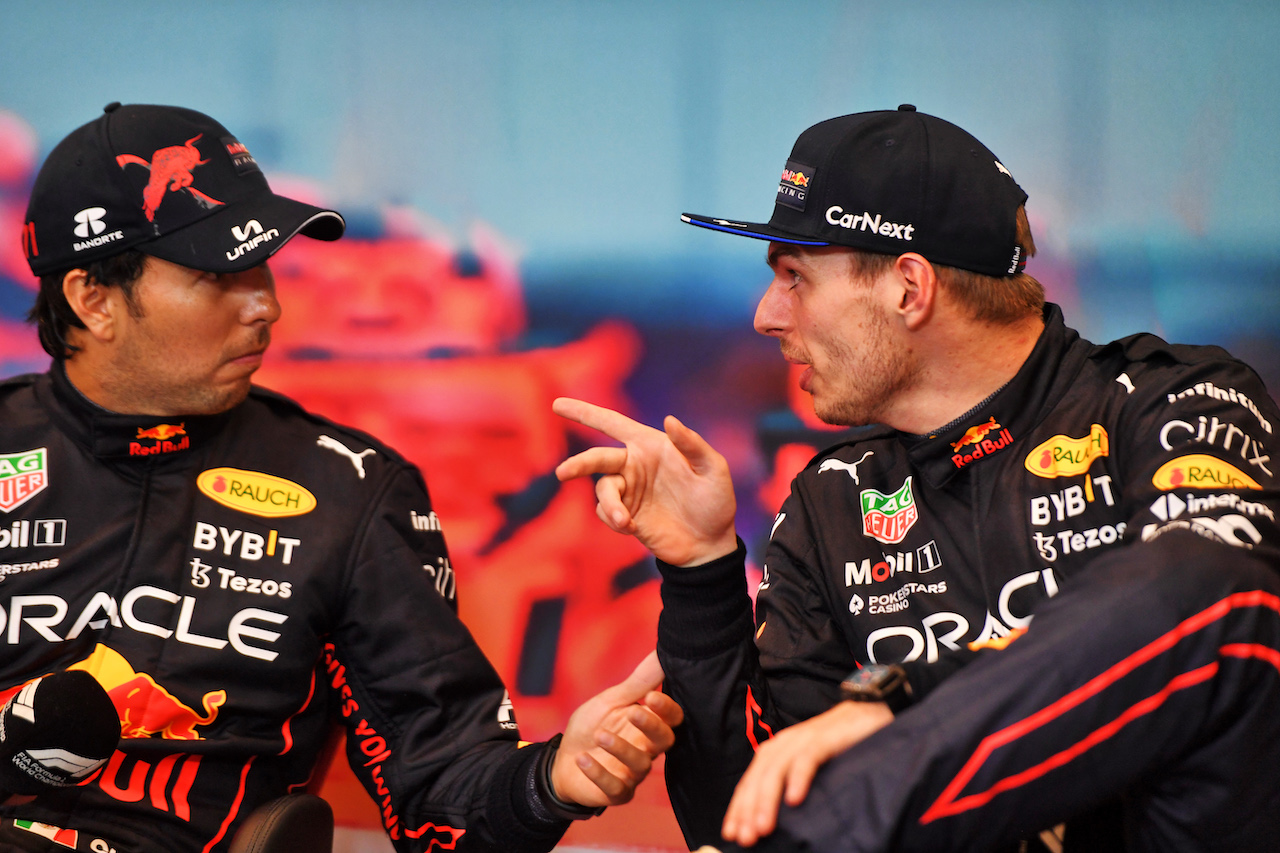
1123 495
235 572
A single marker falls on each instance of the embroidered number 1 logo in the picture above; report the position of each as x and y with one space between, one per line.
887 518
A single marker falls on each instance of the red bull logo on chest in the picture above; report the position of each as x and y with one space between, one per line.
22 476
161 435
976 437
887 518
145 707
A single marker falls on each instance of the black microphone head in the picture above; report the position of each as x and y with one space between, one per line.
56 731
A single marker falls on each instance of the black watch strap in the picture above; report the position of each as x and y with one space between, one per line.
877 682
555 805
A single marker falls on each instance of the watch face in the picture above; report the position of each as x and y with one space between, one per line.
868 679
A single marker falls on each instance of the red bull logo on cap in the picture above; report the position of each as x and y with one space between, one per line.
170 172
793 186
145 707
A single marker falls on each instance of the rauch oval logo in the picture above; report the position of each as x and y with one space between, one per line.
256 493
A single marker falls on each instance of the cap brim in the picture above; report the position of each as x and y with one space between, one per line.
758 230
244 234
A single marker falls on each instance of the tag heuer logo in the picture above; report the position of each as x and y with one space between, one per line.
22 476
887 518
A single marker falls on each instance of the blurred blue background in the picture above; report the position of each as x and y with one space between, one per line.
1144 131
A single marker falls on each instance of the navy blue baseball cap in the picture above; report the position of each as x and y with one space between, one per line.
168 181
894 181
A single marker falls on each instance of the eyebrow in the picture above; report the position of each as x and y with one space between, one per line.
780 250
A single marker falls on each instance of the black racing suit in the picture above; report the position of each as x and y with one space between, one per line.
238 583
1094 490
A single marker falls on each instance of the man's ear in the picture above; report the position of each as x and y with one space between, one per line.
919 289
93 303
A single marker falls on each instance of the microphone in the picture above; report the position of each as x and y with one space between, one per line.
54 732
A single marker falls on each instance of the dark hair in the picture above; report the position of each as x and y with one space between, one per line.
53 316
998 300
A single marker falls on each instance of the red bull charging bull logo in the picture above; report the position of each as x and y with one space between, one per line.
145 707
982 446
170 172
160 434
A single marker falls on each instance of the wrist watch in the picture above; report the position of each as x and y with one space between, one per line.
878 682
547 791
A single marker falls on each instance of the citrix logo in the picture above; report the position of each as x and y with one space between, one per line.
90 221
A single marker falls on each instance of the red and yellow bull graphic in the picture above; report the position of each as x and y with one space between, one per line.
170 172
1201 471
982 446
256 493
1063 456
22 476
160 434
145 707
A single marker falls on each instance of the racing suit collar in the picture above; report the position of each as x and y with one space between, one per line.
1005 417
110 435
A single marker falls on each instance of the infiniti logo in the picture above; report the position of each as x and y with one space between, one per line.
90 220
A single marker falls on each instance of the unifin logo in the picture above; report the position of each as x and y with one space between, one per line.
247 242
250 228
866 222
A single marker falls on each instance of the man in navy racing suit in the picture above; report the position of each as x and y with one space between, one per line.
1122 495
237 573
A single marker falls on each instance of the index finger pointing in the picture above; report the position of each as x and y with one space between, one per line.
611 423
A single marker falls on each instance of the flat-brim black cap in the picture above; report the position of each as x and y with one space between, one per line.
894 181
168 181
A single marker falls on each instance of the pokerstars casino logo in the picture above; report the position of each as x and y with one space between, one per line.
887 518
22 476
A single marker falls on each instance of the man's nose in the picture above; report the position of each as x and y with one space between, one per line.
771 313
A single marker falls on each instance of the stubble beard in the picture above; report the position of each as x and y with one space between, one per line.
864 386
145 387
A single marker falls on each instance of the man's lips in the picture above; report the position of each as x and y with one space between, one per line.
805 375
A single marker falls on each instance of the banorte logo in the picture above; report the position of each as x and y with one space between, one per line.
145 708
170 172
1063 456
255 493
